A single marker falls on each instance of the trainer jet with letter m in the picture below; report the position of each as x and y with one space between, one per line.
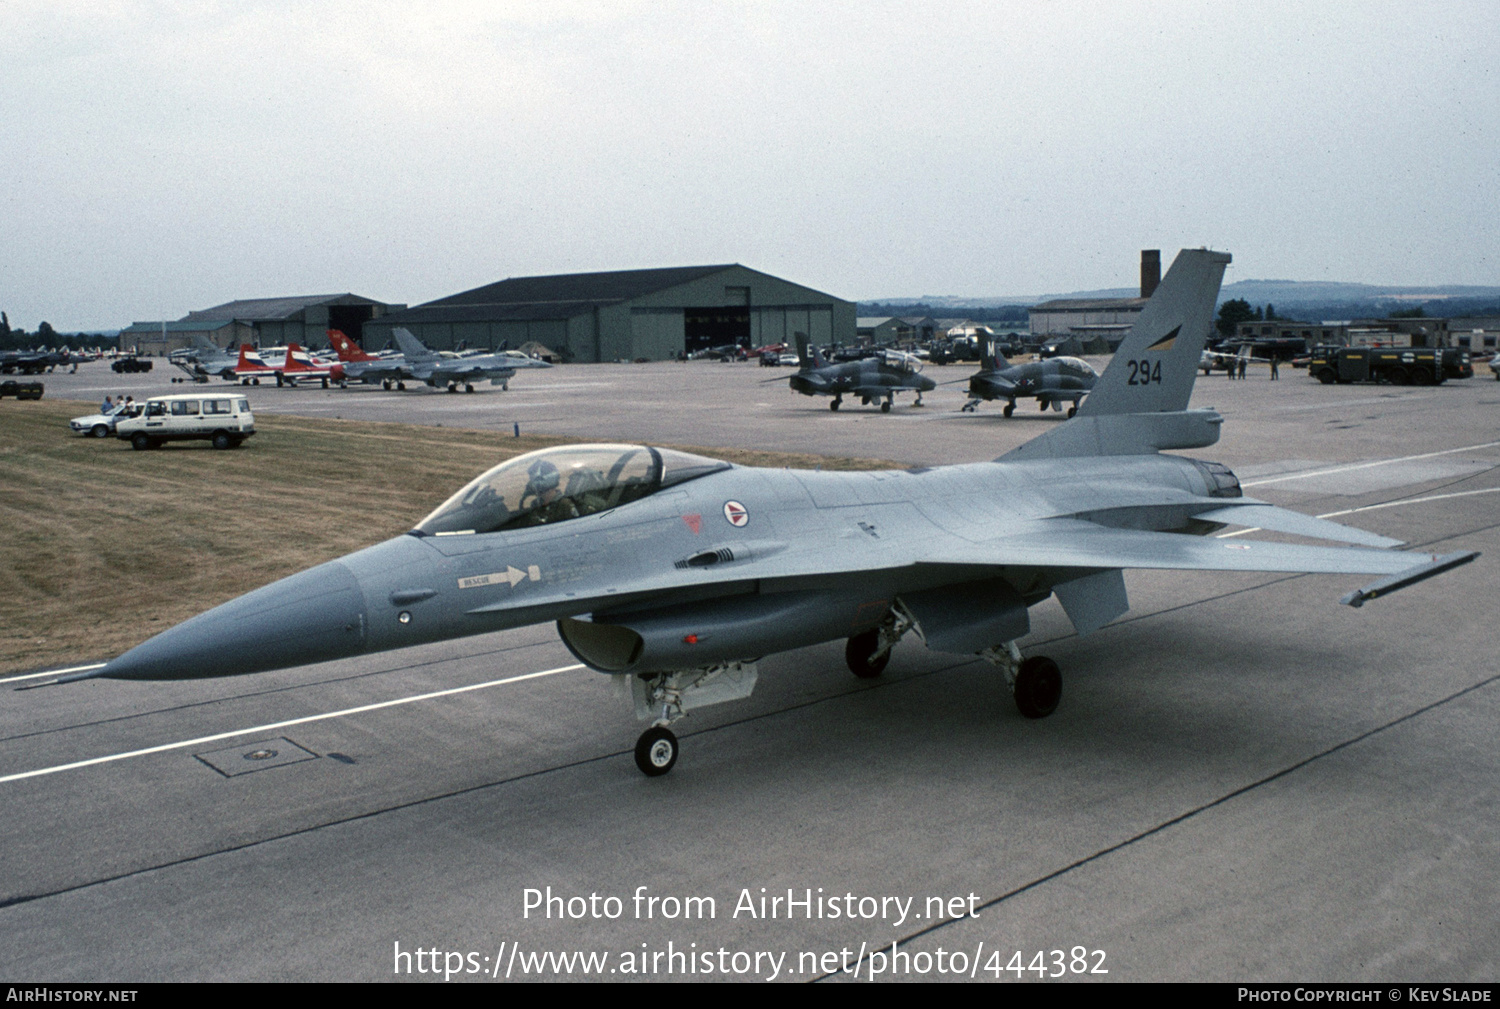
673 572
1053 382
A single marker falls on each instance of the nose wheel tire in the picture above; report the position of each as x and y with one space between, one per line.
1038 687
656 751
859 652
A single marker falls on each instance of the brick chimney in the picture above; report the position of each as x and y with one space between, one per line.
1150 271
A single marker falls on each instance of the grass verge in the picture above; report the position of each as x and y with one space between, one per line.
102 546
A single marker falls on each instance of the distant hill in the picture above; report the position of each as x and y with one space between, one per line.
1306 298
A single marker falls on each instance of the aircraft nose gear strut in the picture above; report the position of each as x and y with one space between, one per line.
674 695
869 652
1035 683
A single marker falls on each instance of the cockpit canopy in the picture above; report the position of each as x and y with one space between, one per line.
557 484
1076 367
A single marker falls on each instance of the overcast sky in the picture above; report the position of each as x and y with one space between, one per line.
162 157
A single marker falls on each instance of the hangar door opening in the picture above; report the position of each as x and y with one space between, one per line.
350 320
715 327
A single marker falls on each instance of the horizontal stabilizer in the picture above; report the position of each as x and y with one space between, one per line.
1282 520
1411 576
1123 434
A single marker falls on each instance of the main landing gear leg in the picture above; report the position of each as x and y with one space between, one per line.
1035 683
869 652
670 696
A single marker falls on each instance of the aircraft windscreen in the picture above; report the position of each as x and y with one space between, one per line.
557 484
1078 367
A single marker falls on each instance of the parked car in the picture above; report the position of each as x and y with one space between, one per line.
98 425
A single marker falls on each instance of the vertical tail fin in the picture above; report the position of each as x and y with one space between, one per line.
412 348
347 349
1154 368
808 356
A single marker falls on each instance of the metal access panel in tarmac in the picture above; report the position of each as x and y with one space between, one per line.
1245 780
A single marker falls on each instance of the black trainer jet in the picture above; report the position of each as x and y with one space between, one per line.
1053 382
873 378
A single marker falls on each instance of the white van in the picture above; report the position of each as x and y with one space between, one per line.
225 420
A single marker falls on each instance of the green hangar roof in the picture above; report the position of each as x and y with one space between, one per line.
627 314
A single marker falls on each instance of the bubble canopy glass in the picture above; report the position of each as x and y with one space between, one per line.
557 484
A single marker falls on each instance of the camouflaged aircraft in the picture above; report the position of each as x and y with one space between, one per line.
873 378
1054 381
673 572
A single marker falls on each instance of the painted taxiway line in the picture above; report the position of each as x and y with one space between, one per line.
1366 465
272 726
53 672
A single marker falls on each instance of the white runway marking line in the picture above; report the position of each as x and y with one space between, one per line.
1366 465
272 726
53 672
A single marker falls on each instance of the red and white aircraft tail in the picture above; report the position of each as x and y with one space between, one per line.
347 349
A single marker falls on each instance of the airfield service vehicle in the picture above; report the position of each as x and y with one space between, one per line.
225 420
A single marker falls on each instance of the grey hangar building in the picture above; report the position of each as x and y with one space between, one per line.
628 315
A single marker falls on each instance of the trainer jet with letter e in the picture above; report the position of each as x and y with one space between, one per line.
673 572
871 378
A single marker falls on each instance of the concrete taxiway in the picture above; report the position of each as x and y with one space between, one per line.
1245 781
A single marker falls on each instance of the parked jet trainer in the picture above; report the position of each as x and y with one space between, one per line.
674 572
1053 382
873 378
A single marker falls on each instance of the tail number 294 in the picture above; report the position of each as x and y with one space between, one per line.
1144 372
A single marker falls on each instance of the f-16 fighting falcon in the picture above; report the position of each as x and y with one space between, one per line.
870 379
436 370
1053 382
204 359
387 369
673 573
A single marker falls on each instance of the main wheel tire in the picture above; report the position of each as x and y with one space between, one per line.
1073 410
656 751
885 407
99 431
140 442
222 441
859 652
834 405
1010 408
1038 687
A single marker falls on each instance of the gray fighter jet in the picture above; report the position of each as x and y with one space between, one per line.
673 572
873 378
437 370
1053 382
205 359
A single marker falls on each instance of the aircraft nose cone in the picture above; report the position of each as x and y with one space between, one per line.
313 616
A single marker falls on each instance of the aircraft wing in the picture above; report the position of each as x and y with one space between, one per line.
1073 543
